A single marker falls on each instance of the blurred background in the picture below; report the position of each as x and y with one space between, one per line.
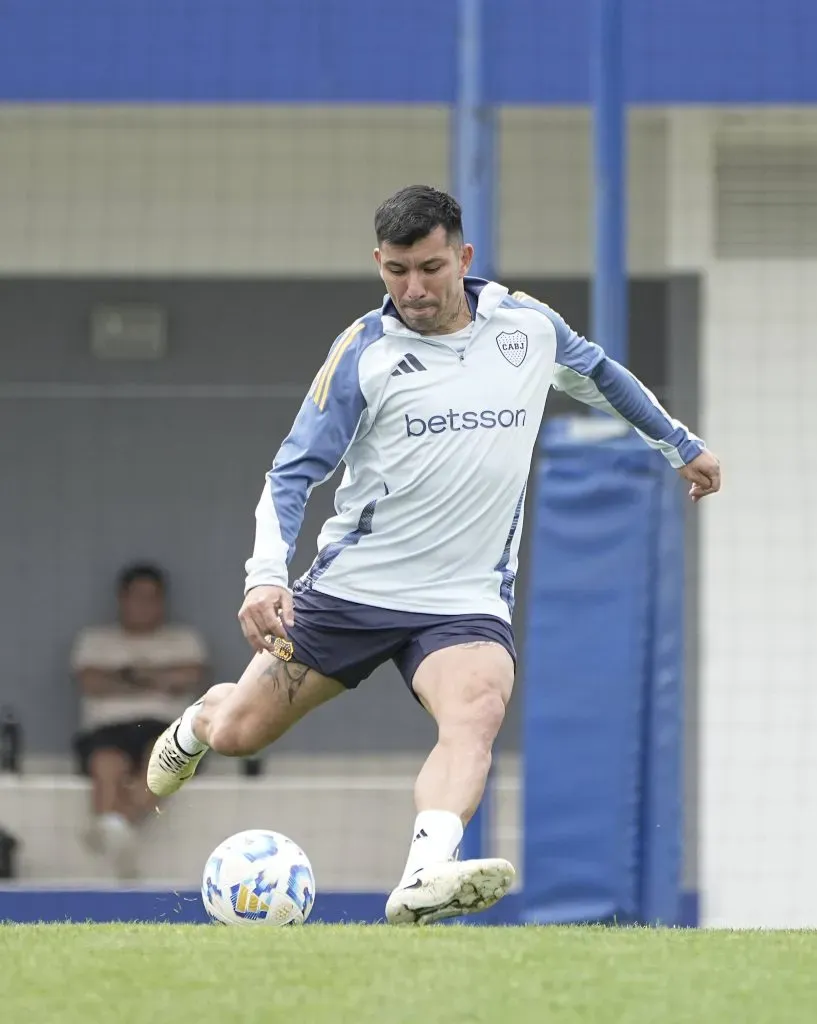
186 201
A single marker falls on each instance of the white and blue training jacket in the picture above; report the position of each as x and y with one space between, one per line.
437 436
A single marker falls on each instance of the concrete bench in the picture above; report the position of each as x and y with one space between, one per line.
353 816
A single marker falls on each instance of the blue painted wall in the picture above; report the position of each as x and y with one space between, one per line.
678 51
26 906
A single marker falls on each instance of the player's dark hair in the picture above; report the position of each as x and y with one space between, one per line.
414 212
141 571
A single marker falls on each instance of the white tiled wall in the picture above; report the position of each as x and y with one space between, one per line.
759 631
291 190
546 188
758 641
238 190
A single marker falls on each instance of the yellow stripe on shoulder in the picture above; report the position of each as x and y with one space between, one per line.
317 383
522 296
324 378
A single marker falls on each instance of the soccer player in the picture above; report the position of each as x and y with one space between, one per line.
433 402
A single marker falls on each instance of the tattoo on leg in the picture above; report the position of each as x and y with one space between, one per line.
286 676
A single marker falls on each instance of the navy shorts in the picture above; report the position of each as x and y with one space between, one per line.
348 641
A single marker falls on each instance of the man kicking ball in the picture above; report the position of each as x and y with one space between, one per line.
433 402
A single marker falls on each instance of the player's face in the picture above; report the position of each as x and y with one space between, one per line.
141 606
424 281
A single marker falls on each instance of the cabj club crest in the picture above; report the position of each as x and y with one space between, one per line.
513 346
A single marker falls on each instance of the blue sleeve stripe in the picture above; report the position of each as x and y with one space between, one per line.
323 429
615 387
311 454
633 404
294 475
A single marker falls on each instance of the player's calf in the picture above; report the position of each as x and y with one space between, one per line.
238 719
270 697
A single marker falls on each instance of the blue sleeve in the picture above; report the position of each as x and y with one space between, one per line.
324 428
585 372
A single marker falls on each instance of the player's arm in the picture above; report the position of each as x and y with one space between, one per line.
105 682
91 667
314 448
121 682
586 373
184 667
170 679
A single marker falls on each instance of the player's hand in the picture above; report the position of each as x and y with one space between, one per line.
704 474
264 615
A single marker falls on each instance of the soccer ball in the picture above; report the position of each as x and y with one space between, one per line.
258 877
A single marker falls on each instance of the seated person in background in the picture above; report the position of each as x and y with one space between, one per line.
135 678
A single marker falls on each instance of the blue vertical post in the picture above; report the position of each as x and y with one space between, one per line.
474 171
609 301
473 175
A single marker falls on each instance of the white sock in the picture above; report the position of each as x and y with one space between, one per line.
111 821
437 834
185 737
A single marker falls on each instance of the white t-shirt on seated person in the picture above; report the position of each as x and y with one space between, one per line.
112 648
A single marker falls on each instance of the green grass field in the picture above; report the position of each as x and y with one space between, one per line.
321 974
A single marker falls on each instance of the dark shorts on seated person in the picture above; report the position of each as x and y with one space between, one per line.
134 739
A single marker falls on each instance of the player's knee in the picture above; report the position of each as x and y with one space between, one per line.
218 693
489 713
233 736
479 715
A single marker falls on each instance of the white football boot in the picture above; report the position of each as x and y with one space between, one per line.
450 889
170 766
